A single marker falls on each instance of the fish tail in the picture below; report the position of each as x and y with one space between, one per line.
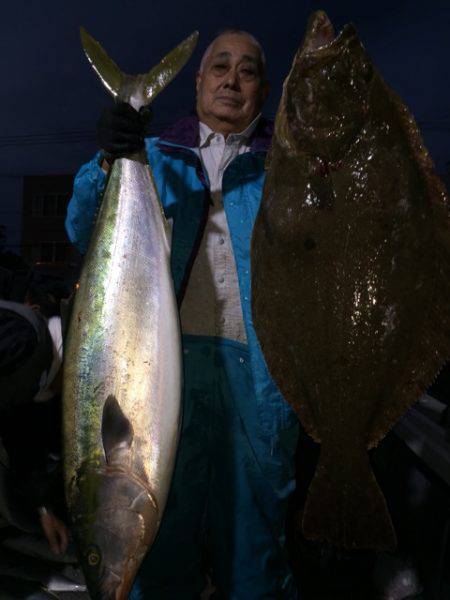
120 85
345 505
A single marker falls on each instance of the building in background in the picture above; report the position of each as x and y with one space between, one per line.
44 244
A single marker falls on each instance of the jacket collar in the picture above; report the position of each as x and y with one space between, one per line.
185 133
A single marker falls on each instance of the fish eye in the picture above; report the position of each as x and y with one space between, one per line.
93 556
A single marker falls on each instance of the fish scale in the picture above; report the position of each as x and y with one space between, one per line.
350 273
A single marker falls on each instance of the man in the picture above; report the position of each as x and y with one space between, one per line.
235 466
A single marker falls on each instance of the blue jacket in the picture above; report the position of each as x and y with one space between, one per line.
184 194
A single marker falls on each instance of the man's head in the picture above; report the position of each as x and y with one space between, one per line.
231 83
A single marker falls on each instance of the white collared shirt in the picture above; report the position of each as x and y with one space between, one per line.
211 304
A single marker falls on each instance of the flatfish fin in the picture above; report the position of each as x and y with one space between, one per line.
295 391
432 349
345 505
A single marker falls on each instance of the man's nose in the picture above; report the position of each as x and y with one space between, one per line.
232 80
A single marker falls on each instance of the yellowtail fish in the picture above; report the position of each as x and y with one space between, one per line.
122 371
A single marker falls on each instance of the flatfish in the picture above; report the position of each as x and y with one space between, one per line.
350 273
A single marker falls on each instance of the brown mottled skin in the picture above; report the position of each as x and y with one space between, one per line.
350 273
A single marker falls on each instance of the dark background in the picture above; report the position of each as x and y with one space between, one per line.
51 98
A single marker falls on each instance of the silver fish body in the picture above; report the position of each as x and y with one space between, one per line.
122 372
124 348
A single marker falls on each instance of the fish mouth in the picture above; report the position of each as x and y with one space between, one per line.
314 122
120 541
320 36
110 586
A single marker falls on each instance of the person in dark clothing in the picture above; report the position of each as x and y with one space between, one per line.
29 431
25 353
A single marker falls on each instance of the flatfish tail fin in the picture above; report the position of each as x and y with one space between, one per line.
120 85
433 347
344 505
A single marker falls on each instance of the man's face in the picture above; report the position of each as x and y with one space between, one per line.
230 90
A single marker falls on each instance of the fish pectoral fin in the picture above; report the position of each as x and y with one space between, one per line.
109 73
163 73
117 432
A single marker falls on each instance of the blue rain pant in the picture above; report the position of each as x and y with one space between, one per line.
229 492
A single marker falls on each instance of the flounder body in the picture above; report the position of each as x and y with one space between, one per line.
350 273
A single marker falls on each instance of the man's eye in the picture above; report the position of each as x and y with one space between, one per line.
248 72
219 67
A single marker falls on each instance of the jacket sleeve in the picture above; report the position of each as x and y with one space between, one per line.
82 208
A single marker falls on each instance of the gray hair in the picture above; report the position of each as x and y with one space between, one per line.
236 32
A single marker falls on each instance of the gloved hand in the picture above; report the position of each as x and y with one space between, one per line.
121 129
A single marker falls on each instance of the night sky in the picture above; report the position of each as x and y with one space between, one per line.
51 97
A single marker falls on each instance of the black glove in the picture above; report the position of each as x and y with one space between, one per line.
121 129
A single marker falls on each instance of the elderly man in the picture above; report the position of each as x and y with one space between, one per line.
235 466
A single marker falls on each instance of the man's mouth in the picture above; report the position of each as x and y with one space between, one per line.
229 100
